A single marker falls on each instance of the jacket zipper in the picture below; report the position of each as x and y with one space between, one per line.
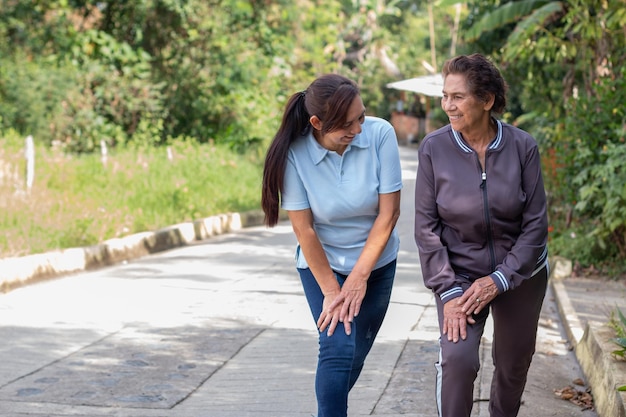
483 187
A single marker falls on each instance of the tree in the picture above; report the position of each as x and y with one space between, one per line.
564 59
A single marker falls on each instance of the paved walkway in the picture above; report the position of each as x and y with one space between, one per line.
221 328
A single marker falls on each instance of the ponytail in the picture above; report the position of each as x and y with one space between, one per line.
295 123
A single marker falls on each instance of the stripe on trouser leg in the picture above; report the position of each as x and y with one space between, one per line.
439 380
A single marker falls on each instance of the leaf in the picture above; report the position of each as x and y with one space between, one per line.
446 3
503 15
582 399
619 353
621 316
620 341
534 21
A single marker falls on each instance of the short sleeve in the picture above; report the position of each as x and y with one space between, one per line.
390 169
294 196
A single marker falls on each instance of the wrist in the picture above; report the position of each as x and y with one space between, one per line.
331 292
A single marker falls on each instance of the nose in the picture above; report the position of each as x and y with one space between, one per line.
355 130
446 104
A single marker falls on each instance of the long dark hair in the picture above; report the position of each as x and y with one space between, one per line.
483 78
328 97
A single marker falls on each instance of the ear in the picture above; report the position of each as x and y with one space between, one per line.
489 103
316 122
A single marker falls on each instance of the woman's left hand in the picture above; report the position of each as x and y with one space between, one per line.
478 295
351 295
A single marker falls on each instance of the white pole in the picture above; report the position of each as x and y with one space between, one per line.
29 154
103 152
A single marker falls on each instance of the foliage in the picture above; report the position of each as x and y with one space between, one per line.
219 71
619 326
133 77
150 73
592 154
563 61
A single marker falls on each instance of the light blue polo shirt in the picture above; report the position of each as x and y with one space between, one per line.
342 190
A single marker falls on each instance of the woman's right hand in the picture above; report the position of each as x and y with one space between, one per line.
329 318
455 321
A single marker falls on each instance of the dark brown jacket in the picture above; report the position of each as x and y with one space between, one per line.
470 223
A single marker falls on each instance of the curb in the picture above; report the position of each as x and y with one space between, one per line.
592 348
19 271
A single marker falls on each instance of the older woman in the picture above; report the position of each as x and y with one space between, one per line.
481 231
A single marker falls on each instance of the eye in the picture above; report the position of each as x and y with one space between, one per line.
362 118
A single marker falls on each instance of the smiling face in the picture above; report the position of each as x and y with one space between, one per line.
339 138
466 112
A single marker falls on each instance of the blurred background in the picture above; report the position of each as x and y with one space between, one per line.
118 117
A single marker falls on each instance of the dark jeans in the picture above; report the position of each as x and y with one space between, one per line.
341 357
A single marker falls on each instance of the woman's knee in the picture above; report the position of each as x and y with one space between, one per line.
461 359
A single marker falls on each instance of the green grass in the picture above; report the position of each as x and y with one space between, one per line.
80 201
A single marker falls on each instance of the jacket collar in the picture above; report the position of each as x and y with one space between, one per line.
495 143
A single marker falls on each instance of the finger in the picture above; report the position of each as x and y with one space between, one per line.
357 308
322 323
463 329
321 318
450 330
479 303
345 310
351 311
332 327
348 326
325 319
455 331
472 303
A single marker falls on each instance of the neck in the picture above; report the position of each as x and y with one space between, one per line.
483 136
328 145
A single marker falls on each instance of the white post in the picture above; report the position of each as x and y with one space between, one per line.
103 152
29 154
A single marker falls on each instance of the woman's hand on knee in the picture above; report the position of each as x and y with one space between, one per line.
455 321
478 295
330 316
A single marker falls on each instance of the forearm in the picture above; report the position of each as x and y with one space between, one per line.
313 251
379 235
374 247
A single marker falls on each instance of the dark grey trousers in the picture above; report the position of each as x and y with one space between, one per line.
515 318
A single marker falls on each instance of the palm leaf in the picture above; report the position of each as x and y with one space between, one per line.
446 3
536 19
503 15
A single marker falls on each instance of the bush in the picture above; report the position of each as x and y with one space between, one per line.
590 155
618 323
